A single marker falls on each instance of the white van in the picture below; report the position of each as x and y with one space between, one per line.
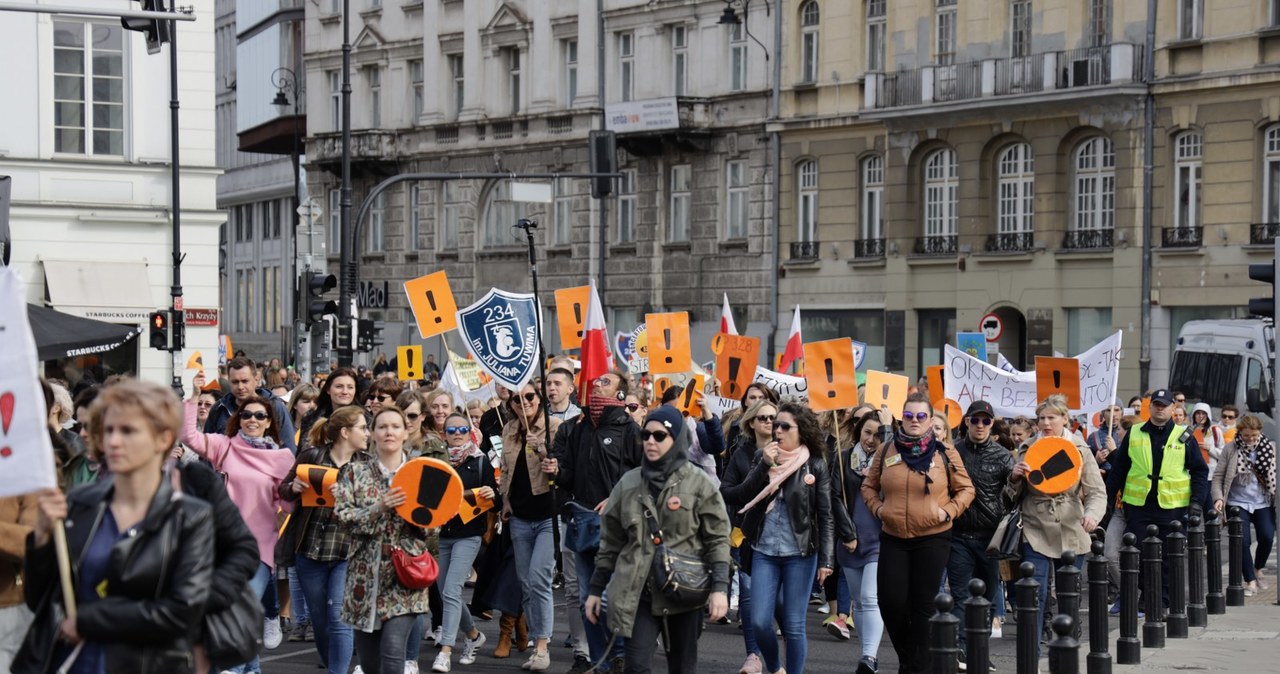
1227 362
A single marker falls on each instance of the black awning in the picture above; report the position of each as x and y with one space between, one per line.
60 335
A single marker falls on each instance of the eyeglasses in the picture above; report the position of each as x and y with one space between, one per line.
658 436
260 416
457 430
783 426
918 416
631 407
530 397
605 381
765 418
412 417
980 421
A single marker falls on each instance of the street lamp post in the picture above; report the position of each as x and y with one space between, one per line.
286 83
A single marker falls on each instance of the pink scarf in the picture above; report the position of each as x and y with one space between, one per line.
788 463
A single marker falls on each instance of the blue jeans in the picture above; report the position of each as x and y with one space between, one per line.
536 567
298 601
456 557
744 607
1264 520
794 575
322 584
413 643
1044 567
969 560
259 583
866 606
597 633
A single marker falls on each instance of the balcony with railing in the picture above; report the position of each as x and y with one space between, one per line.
1263 233
804 250
937 245
1182 237
1059 71
868 249
1089 239
1011 242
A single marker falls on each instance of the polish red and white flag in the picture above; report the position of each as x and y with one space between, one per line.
794 350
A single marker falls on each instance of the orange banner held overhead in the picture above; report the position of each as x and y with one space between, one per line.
883 388
933 377
432 303
433 491
669 347
571 314
829 371
1058 375
736 360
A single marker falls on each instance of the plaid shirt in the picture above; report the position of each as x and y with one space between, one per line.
325 539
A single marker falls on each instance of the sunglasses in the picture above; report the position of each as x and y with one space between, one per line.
530 397
631 407
1230 417
385 398
658 436
918 416
457 430
783 426
260 416
412 417
766 418
980 421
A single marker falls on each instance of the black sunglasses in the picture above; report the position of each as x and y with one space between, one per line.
631 407
767 418
530 397
260 416
412 417
457 430
658 436
385 398
783 426
980 421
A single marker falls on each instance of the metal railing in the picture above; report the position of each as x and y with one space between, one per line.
1263 232
1182 237
1011 242
1089 239
1022 75
864 249
804 250
1084 67
446 135
937 245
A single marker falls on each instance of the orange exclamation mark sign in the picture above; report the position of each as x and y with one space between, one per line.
666 343
577 317
431 299
316 477
831 376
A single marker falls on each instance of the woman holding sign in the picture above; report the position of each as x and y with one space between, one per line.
314 538
1057 484
460 540
381 609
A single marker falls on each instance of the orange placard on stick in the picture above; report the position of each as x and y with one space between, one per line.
571 314
432 489
736 359
195 362
433 305
883 388
690 399
933 377
473 505
319 481
1055 465
1145 412
952 409
1058 375
669 350
829 371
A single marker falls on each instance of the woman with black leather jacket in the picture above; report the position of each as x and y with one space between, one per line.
142 559
858 535
788 523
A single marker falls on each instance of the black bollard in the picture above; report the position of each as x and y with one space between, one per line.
942 637
1067 587
1064 656
1152 589
1215 603
1128 648
1235 557
977 626
1175 555
1099 659
1197 614
1026 598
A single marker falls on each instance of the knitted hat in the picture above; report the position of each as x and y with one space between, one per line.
668 416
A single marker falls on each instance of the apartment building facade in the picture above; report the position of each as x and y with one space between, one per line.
483 86
943 160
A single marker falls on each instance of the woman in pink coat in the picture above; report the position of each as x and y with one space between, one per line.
254 464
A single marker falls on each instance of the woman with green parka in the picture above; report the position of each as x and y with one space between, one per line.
692 520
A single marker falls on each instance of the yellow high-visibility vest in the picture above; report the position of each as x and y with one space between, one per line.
1174 488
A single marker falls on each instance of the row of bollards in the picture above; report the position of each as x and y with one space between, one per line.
1183 572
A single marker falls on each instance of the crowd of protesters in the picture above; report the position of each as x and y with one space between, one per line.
185 520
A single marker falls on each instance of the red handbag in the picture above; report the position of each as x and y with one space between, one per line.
415 573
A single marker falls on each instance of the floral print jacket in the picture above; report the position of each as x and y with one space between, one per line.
373 593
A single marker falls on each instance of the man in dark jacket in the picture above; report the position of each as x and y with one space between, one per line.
590 453
244 382
989 465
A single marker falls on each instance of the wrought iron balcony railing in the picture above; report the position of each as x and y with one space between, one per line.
1011 242
804 250
866 249
1263 232
1089 239
1182 237
938 245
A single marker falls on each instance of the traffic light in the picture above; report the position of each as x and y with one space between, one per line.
314 285
602 158
1265 272
369 334
161 327
156 30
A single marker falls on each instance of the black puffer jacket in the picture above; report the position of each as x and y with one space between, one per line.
808 499
593 458
157 584
989 466
742 458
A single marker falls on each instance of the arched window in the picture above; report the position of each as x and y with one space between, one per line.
1271 176
1187 171
1095 185
1016 183
873 197
807 201
499 216
809 42
940 194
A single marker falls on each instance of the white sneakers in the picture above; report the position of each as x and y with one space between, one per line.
471 648
443 663
538 662
271 634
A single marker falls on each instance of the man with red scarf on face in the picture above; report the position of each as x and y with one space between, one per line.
589 455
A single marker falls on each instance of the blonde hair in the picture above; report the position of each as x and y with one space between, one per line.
62 398
744 424
1056 403
155 404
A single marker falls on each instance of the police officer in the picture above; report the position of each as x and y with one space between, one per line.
1159 472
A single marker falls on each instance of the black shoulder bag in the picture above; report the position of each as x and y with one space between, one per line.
681 578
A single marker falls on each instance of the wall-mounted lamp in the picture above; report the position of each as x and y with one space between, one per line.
728 17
